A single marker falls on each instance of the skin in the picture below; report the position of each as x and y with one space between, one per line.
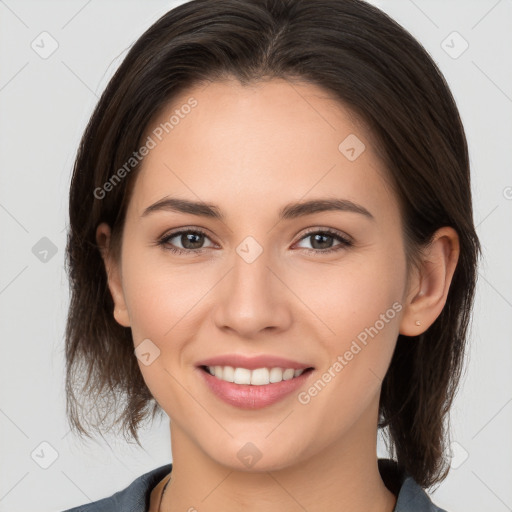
250 150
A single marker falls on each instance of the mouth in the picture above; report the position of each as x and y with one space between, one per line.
256 388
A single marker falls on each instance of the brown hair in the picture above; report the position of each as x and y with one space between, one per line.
371 65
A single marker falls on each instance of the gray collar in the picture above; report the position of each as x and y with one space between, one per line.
135 497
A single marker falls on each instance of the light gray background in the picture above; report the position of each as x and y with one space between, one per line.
45 104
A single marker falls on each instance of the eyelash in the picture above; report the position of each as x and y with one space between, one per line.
344 242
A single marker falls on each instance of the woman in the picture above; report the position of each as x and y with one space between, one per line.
271 241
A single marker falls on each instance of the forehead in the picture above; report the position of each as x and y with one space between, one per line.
254 145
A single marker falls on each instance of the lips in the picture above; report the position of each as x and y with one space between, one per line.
247 396
254 362
257 395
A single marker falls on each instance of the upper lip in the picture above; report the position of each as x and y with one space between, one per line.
253 362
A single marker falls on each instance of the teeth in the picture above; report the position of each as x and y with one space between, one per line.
242 376
228 373
257 377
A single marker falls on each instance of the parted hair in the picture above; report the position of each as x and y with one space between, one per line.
374 67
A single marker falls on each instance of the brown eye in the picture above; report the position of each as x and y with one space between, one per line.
191 241
321 241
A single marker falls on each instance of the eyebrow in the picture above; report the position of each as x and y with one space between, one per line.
289 211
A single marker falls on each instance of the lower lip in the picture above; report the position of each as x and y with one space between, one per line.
246 396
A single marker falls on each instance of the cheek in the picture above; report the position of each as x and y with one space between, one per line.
360 309
158 297
350 295
160 304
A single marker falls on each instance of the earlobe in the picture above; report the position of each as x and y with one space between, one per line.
113 271
429 287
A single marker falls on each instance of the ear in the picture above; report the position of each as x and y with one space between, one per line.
430 284
113 270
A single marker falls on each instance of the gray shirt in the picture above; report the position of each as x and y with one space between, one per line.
135 498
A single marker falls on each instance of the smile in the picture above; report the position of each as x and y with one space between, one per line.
256 377
253 389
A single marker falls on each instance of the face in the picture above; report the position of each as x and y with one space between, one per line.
321 288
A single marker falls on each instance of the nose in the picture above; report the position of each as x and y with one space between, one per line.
253 297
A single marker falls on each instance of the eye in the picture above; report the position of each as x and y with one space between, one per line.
191 241
323 240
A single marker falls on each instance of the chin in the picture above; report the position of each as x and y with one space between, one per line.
255 456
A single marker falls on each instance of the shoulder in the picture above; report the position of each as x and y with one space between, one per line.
134 498
411 497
